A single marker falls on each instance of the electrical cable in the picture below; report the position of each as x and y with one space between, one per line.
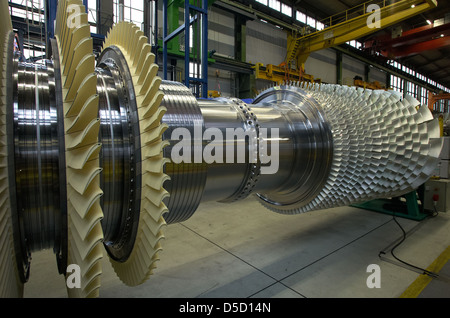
424 271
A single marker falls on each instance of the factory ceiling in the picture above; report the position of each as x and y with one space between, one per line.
434 62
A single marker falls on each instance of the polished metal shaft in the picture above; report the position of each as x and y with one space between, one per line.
36 164
295 148
296 134
187 180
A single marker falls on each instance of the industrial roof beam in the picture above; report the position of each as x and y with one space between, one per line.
411 42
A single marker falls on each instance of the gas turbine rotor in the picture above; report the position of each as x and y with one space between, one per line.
86 152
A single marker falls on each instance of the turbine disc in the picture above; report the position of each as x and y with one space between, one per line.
132 43
11 281
81 126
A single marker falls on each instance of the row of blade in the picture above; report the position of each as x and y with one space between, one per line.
383 145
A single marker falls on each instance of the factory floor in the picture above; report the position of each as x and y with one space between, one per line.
243 250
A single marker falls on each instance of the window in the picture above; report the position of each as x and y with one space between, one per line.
355 44
424 96
33 12
195 70
300 16
320 25
397 83
28 9
275 4
92 14
132 12
264 2
285 9
311 22
413 90
441 106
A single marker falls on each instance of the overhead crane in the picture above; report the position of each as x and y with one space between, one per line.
339 29
410 42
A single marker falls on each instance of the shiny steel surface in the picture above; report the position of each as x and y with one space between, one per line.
120 155
115 168
333 145
383 145
312 144
225 179
250 126
187 180
36 157
303 139
298 148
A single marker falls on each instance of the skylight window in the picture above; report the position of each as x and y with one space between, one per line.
300 16
285 9
275 4
311 21
320 25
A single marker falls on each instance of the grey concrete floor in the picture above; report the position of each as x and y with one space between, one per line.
244 250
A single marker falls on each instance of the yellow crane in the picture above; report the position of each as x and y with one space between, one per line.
349 25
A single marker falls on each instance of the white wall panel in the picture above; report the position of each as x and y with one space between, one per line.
322 64
265 43
377 75
351 68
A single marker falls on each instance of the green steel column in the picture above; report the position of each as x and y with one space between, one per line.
339 67
246 83
105 16
240 29
367 73
405 87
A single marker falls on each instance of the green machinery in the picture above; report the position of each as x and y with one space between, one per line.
194 47
409 206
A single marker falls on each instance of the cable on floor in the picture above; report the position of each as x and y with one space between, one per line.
424 271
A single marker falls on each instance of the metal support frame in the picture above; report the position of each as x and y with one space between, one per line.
51 7
410 42
197 11
433 98
408 210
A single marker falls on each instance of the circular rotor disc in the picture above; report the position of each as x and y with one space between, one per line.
11 285
81 127
133 45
